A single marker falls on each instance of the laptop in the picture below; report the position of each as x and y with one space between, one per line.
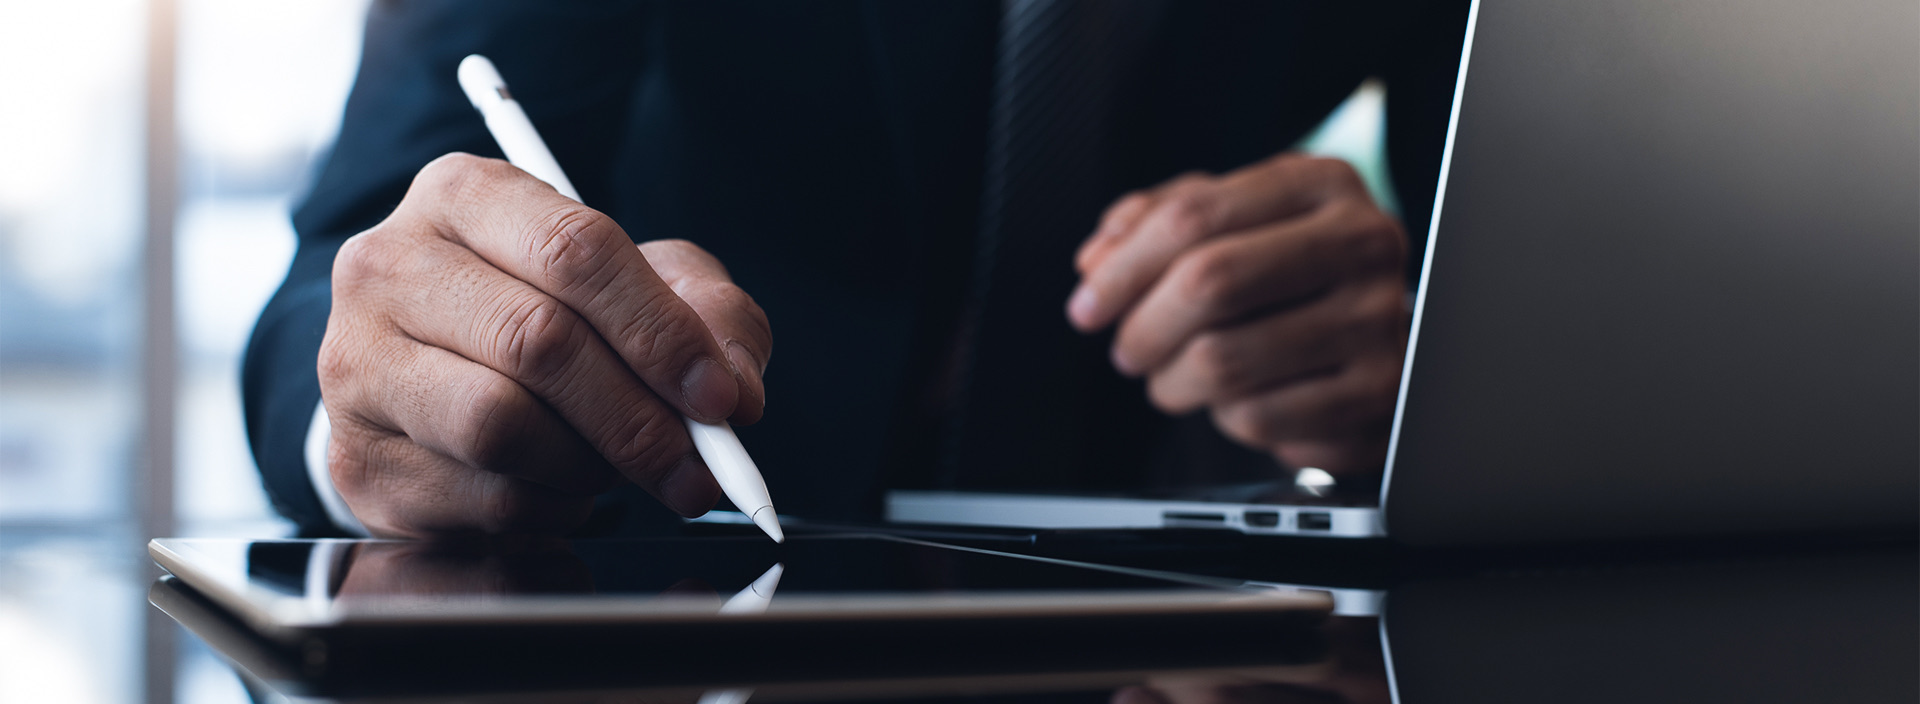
1671 289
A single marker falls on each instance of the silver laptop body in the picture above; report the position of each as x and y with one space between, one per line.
1671 288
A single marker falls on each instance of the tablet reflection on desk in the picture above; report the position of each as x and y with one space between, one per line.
1354 672
1797 626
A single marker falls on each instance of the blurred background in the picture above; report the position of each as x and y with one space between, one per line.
149 153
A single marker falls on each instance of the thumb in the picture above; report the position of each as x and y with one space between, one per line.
736 321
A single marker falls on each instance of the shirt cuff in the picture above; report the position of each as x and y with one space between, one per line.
319 433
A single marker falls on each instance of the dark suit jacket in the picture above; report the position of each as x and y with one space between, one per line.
830 153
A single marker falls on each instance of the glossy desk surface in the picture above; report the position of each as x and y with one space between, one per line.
1834 622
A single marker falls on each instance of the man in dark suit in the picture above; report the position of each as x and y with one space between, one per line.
905 191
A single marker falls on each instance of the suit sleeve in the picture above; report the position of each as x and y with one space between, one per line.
572 65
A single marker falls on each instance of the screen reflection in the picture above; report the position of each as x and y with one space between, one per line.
737 576
376 570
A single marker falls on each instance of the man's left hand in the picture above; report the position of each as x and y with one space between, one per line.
1273 296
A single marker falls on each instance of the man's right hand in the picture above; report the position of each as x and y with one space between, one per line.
498 354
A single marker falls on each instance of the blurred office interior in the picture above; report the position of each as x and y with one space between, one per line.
150 150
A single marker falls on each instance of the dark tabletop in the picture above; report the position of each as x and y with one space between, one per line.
1766 622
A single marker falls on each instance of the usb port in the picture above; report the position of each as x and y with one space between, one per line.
1316 520
1262 519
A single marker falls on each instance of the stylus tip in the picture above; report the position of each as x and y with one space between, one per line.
769 522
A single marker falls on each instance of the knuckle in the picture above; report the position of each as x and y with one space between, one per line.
657 336
346 360
364 470
1165 396
717 296
1243 423
454 174
648 451
1208 278
1219 361
675 246
1381 308
1128 203
1289 164
347 463
572 249
1189 179
536 340
333 367
363 259
1362 238
681 262
491 425
1189 214
1337 172
1381 240
737 299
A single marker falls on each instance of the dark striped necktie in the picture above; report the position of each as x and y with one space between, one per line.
1056 67
1052 77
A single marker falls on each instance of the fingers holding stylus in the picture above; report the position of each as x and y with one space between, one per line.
445 297
497 352
581 258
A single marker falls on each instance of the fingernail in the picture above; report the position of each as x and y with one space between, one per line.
747 366
1080 307
688 488
709 390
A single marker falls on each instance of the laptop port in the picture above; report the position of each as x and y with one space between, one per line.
1262 519
1316 520
1202 517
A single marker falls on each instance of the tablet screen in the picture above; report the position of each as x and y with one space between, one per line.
319 582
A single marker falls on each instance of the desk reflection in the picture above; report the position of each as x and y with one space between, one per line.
1354 672
1838 626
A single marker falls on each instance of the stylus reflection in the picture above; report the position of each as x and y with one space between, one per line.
752 600
755 598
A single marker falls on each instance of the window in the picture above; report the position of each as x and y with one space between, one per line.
256 92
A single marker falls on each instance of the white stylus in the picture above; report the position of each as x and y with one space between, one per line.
738 475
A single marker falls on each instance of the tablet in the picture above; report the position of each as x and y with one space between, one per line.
707 609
